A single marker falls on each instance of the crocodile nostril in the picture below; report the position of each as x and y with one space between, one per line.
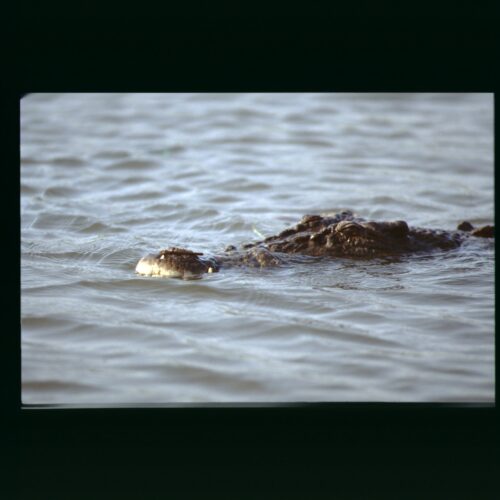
318 238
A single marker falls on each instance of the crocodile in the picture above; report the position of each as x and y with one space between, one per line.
337 235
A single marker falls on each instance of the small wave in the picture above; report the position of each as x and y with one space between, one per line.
172 149
78 223
135 180
140 196
68 161
60 256
312 143
27 160
46 322
111 155
133 164
224 198
100 227
242 184
56 385
242 139
301 118
27 189
122 256
61 192
400 134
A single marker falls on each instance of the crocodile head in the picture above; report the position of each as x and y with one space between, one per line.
176 263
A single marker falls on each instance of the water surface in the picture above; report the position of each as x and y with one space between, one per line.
107 178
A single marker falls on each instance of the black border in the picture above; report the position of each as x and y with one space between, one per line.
354 450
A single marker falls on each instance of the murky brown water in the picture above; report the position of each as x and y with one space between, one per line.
107 178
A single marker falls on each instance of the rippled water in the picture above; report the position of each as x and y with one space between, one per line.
107 178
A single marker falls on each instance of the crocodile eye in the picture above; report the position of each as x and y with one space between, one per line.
349 227
311 218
